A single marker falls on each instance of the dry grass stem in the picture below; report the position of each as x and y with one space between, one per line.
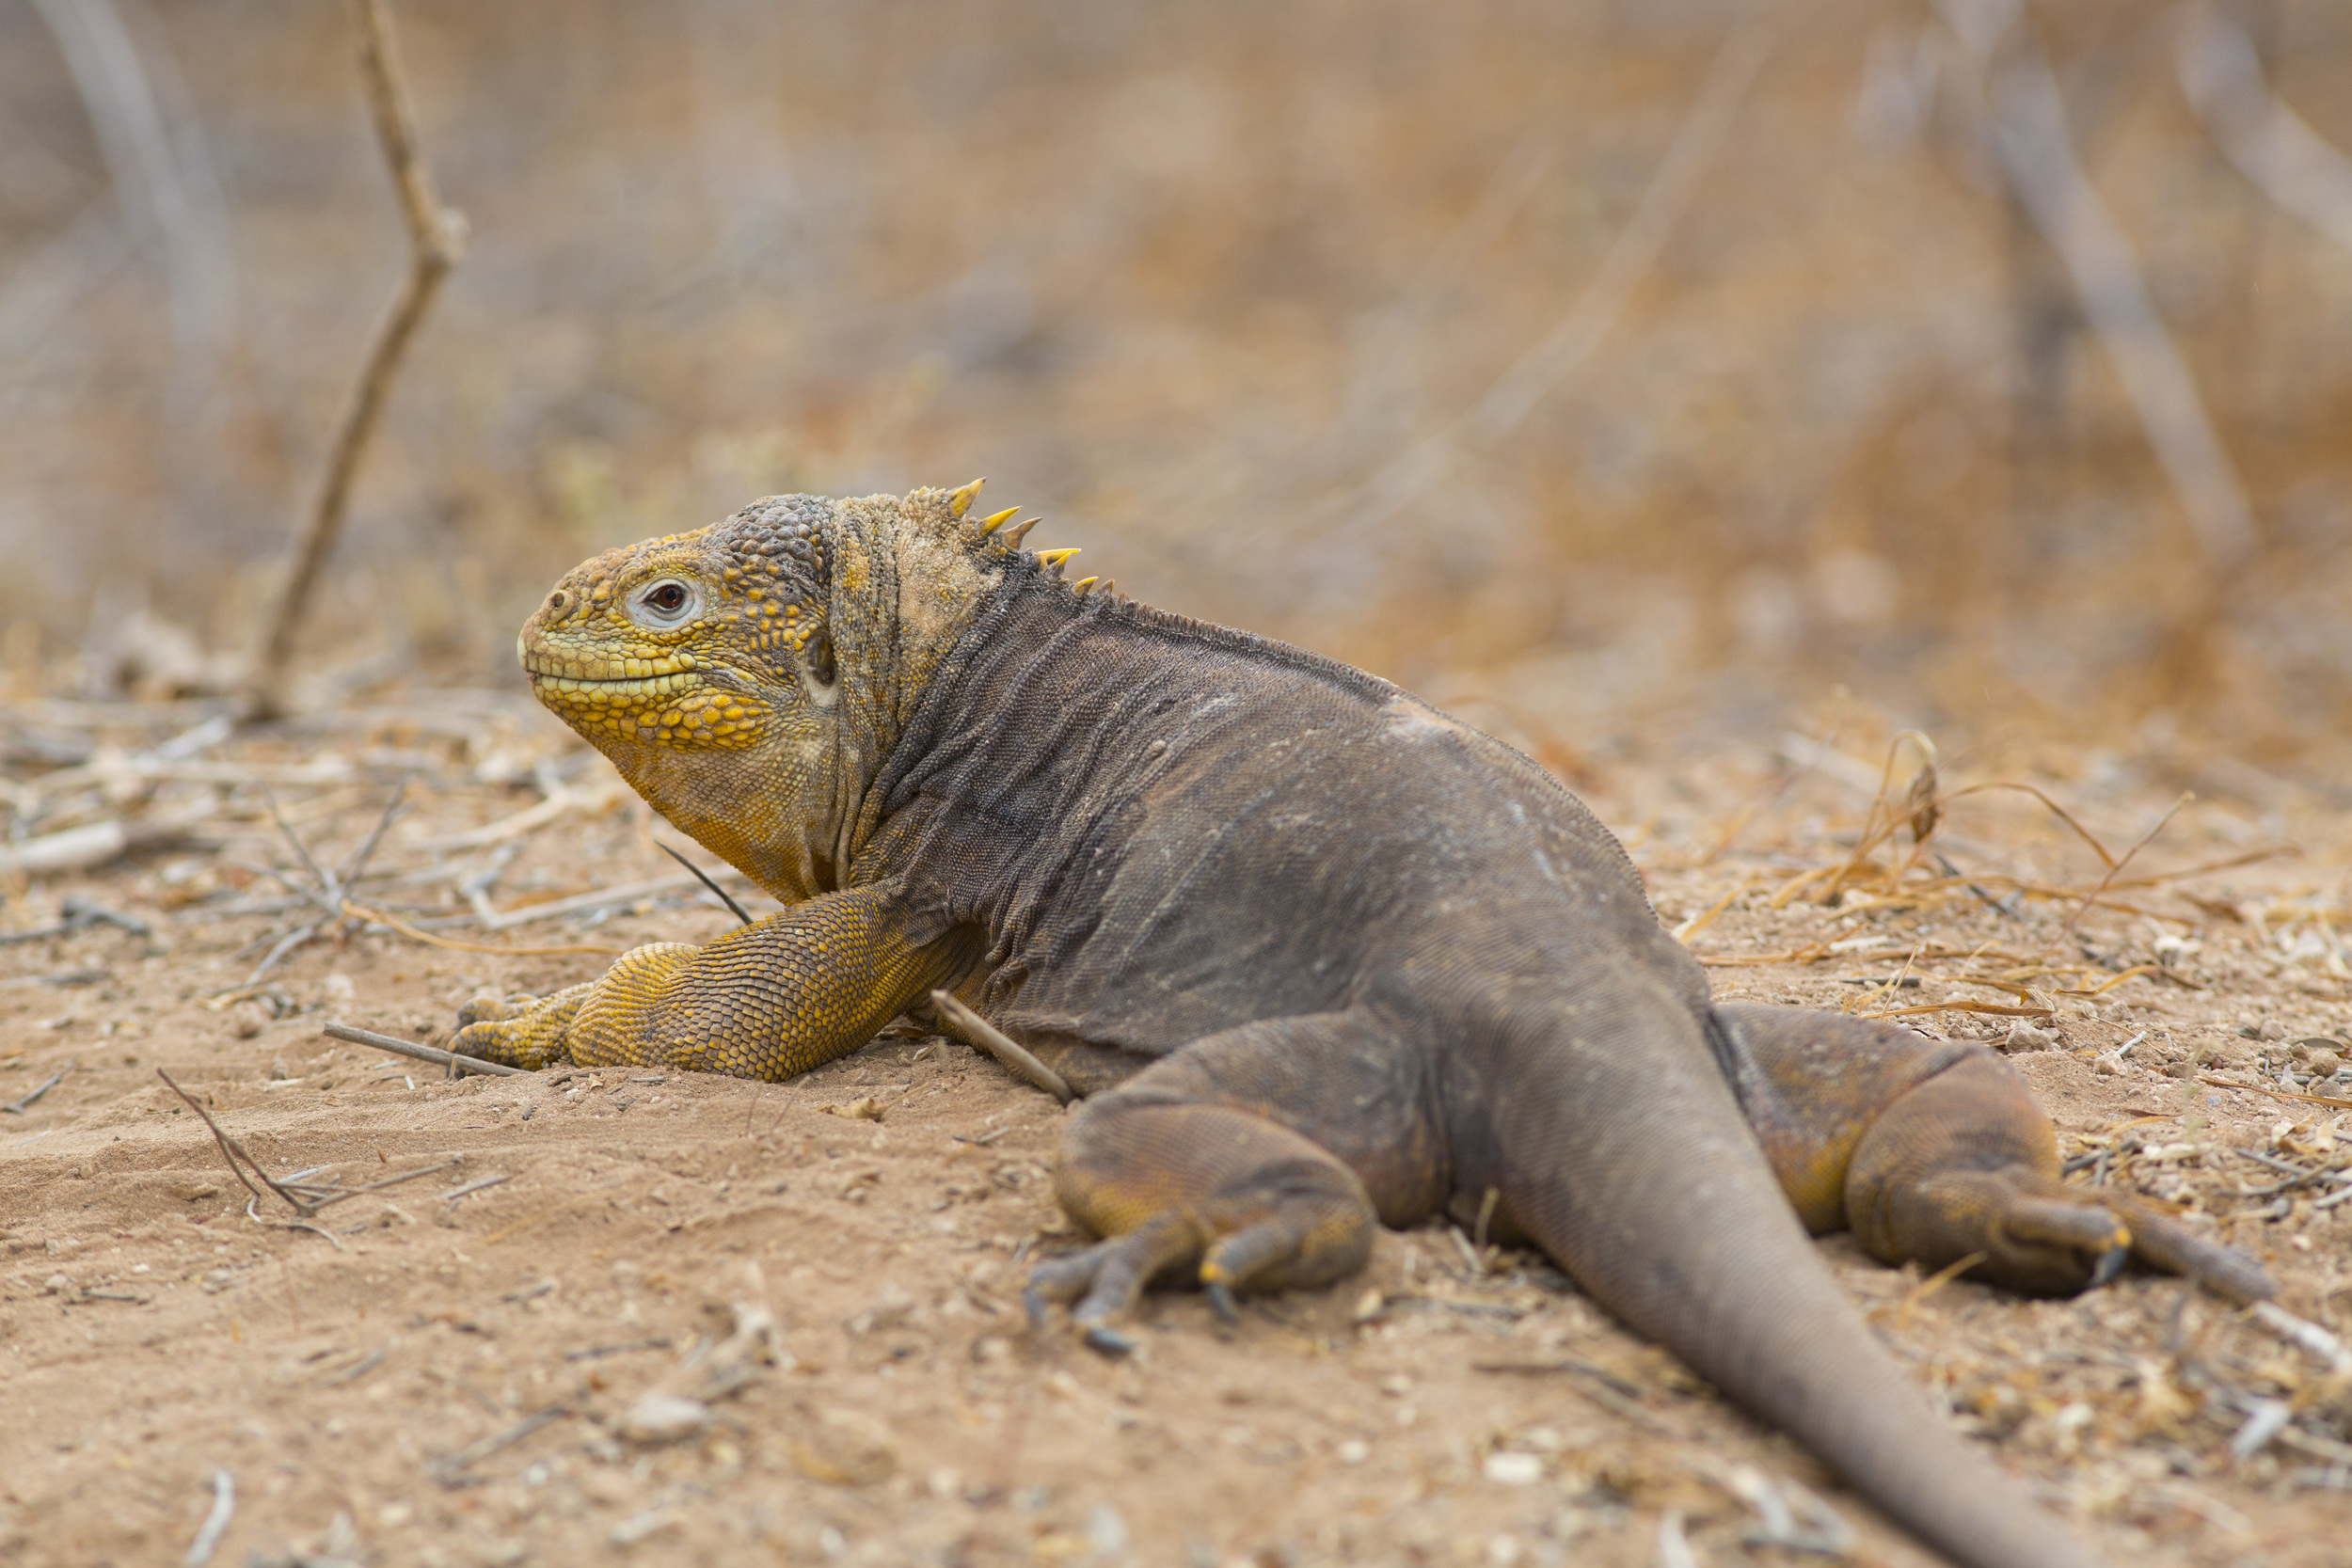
1693 926
716 891
232 1150
2117 869
361 911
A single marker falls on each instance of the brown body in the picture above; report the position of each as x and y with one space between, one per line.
1322 958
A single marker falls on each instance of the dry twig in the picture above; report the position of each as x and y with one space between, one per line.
1514 394
18 1107
450 1471
716 891
2028 139
436 238
215 1522
984 1036
304 1197
422 1052
2271 145
232 1150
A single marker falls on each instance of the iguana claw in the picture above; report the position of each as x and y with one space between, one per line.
1109 1341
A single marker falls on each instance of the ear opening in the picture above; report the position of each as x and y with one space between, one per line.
819 673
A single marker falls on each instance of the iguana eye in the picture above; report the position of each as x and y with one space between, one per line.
665 603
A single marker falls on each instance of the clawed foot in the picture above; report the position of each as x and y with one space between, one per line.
1315 1233
527 1032
1097 1279
1105 1281
2043 1237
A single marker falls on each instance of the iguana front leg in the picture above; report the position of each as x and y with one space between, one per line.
771 999
1935 1151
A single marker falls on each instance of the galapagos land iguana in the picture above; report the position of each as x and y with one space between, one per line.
1318 956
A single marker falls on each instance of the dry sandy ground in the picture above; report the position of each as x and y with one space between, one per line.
445 1371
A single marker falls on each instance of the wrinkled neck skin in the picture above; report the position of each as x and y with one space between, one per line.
785 808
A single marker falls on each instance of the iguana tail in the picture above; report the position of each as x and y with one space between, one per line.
1624 1154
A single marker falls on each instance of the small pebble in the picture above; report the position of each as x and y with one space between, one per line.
2023 1037
1507 1468
664 1419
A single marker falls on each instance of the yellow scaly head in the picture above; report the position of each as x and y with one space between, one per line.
688 641
670 655
748 679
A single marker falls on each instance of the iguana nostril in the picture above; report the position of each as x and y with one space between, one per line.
557 600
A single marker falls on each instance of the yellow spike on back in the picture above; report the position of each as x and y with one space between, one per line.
989 525
1083 584
960 498
1056 559
1020 531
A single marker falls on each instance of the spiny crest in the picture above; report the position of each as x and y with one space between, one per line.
990 535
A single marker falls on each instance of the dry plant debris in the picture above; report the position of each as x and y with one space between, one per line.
558 1316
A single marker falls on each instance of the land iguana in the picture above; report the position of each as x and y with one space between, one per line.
1317 956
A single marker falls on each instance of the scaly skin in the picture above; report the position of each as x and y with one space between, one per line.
1320 958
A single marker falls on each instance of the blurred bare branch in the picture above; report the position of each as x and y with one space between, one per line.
2027 130
2270 144
163 182
436 238
1572 340
45 285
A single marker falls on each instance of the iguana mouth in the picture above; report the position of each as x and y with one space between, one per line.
673 700
594 668
619 678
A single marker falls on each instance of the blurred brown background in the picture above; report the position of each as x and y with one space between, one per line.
1601 365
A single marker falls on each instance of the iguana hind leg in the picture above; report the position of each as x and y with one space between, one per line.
1259 1158
1935 1151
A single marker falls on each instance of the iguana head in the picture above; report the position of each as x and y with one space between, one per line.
748 679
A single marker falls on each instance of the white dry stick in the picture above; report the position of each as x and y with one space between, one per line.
2303 1332
1674 1547
1572 340
2036 155
97 844
215 1523
2265 1420
2271 145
